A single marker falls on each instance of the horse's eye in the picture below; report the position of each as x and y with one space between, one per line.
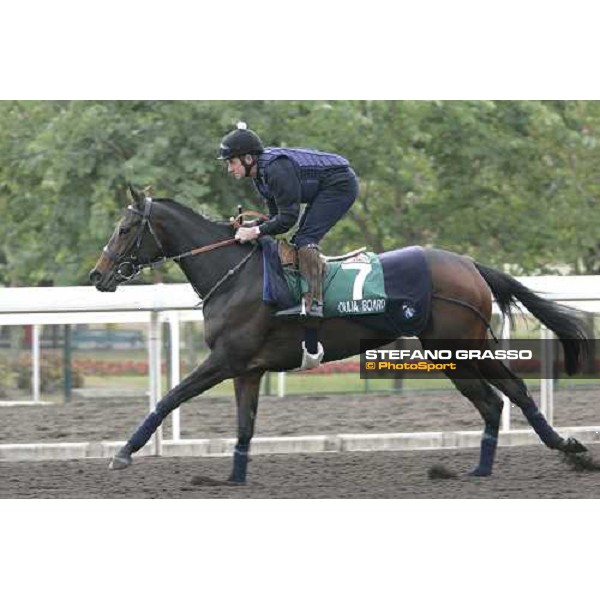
124 230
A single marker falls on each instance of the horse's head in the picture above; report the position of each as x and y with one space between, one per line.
132 244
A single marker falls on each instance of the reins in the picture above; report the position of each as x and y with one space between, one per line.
193 252
137 267
236 224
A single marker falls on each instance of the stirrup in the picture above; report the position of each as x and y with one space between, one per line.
311 361
315 312
295 311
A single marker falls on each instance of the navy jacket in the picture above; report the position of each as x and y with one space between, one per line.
288 177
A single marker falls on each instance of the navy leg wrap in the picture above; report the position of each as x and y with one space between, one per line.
489 443
487 453
144 432
541 427
240 463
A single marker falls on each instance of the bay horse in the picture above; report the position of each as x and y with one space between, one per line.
246 340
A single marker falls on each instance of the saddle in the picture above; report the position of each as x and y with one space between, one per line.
288 255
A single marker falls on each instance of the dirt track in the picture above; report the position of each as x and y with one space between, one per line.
526 472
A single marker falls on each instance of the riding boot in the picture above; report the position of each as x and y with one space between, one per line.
311 268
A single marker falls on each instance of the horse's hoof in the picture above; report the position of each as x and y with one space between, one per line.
572 446
119 462
477 472
232 481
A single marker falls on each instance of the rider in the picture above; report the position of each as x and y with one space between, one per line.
285 178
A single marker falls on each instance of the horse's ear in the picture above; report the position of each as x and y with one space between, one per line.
137 197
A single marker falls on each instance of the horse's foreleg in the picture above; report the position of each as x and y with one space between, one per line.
468 381
211 372
246 395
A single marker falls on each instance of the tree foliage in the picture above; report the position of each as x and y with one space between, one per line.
509 183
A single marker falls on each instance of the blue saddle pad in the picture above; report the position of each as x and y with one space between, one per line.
407 281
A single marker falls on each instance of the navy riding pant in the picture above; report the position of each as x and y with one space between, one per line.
327 208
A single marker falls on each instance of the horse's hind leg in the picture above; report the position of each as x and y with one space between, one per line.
469 383
247 388
501 377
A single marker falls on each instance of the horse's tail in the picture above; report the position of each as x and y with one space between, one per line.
562 320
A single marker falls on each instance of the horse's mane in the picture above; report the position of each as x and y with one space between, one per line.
191 213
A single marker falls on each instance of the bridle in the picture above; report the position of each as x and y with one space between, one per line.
129 266
129 258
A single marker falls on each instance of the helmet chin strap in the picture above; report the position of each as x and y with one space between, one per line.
248 167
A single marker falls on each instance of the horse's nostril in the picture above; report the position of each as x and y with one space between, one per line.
95 276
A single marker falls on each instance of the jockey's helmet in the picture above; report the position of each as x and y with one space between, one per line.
240 141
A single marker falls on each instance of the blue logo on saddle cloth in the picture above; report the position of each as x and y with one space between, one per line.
408 310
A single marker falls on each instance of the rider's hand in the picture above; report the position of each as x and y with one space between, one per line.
247 234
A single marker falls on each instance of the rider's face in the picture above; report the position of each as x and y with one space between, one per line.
236 167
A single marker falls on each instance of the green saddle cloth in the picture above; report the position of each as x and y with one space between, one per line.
350 287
